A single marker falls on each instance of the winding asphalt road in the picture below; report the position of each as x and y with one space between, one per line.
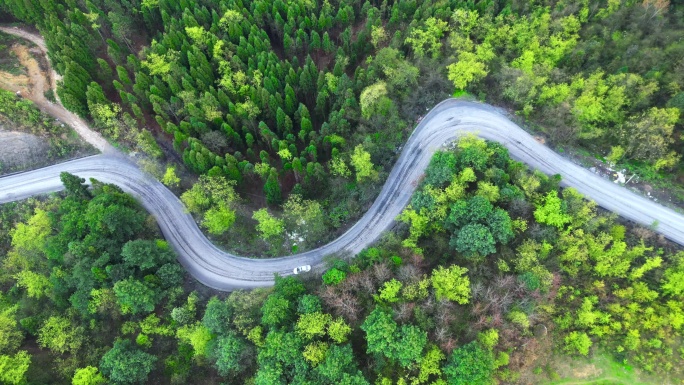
442 125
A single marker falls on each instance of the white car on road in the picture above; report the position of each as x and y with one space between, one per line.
301 269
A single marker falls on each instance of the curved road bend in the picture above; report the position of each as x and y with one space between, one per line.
448 120
225 271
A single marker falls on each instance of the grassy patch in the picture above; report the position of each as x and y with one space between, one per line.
601 369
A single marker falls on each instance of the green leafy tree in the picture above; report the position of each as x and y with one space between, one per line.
578 342
334 276
60 335
196 335
470 364
272 189
217 220
10 334
551 212
312 325
88 376
125 364
214 197
389 292
13 368
229 351
450 283
383 336
374 100
361 161
338 330
304 217
275 310
268 226
474 240
147 255
135 297
428 40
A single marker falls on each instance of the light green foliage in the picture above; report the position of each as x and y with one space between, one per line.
10 334
577 342
88 376
31 237
430 365
519 318
196 335
616 153
417 291
427 40
378 35
450 283
361 161
60 335
470 67
268 226
488 338
389 291
199 35
13 368
170 178
36 285
213 196
338 330
313 325
673 280
374 100
398 73
339 167
304 217
488 190
159 64
315 352
334 276
649 264
551 211
650 135
143 340
217 220
147 144
230 17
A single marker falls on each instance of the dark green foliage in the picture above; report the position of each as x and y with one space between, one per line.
215 316
441 169
275 311
475 209
308 304
228 352
126 364
272 188
470 364
403 344
473 240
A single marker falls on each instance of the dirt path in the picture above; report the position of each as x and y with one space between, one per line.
38 82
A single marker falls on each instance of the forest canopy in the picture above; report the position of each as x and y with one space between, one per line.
89 291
